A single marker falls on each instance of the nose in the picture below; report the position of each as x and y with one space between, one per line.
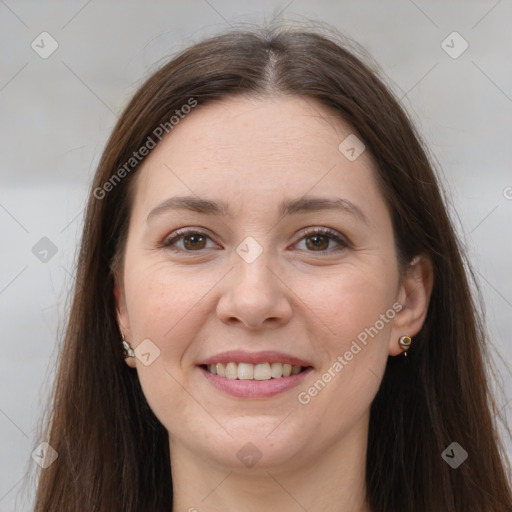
255 296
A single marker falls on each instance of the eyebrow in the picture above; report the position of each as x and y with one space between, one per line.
289 207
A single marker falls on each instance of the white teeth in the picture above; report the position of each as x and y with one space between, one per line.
221 369
231 372
262 372
247 371
277 370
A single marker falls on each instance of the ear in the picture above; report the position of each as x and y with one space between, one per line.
414 296
123 319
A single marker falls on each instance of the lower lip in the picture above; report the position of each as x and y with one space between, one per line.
255 388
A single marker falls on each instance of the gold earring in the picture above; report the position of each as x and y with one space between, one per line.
128 350
405 343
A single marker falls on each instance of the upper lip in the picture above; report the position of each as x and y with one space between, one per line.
266 356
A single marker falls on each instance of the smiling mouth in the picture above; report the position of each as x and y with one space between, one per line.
248 371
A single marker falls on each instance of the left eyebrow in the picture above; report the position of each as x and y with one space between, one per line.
286 208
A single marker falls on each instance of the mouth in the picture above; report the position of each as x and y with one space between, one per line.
254 375
256 372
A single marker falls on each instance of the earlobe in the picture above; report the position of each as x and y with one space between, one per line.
414 296
121 312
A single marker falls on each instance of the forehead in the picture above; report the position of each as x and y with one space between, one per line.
244 126
241 147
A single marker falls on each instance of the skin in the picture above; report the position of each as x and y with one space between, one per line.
253 153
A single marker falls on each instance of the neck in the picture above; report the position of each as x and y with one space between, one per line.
334 481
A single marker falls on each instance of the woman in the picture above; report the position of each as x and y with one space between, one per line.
271 310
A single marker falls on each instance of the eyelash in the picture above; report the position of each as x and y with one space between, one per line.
330 233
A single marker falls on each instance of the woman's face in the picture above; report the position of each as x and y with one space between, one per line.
254 282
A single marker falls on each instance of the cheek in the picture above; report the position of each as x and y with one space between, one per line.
161 301
354 316
164 307
349 301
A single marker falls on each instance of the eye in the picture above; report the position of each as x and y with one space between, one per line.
192 239
318 240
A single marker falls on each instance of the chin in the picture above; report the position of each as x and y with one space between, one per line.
257 445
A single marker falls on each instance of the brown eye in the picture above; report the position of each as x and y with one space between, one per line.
320 242
316 240
196 241
187 240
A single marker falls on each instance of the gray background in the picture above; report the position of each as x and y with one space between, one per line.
58 112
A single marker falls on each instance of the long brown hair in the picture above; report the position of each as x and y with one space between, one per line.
113 453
